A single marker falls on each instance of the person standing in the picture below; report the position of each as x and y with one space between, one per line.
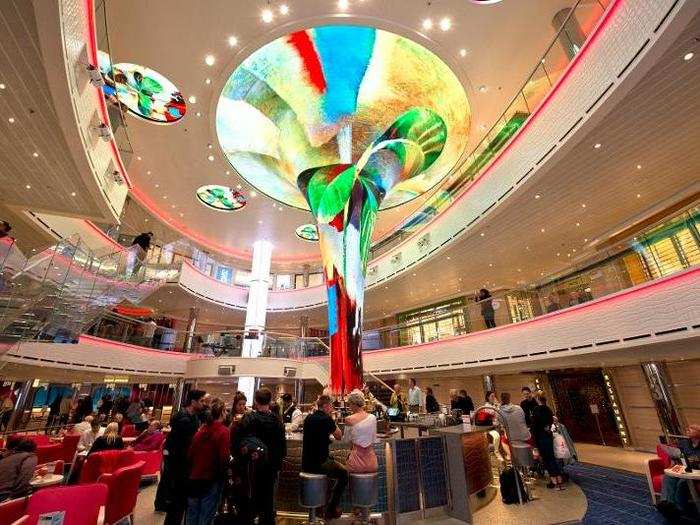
361 432
431 404
315 454
54 410
208 459
143 243
398 402
486 303
528 403
415 397
513 418
261 445
235 489
291 415
465 402
149 331
64 410
171 494
541 428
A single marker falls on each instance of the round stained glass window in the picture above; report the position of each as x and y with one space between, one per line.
221 198
307 232
142 91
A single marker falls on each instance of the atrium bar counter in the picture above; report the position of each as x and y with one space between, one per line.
418 477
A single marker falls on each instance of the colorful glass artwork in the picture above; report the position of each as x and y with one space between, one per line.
359 120
307 232
302 101
221 198
142 91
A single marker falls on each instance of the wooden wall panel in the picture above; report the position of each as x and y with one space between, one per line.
635 400
685 381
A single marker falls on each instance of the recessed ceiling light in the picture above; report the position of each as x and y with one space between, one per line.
482 234
148 172
639 166
35 154
238 186
28 186
427 24
445 24
284 9
597 145
519 270
253 193
209 60
537 195
232 41
483 88
210 146
228 172
182 214
490 265
583 205
72 194
172 205
192 99
267 15
639 195
585 240
11 120
462 52
343 4
578 224
259 222
211 158
157 185
542 230
688 56
2 86
207 81
146 219
198 114
138 157
165 197
574 250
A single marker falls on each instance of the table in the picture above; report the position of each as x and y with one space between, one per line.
690 477
46 481
411 424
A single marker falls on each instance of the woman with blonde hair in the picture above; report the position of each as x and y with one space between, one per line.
110 440
361 432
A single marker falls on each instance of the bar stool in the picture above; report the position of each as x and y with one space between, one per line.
312 493
363 493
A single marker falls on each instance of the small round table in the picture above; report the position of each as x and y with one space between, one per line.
690 478
46 481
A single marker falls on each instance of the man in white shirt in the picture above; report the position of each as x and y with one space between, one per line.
88 437
415 397
291 415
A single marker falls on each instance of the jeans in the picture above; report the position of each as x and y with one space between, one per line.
201 510
676 491
339 473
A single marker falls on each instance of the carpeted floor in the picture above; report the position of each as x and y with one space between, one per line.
614 496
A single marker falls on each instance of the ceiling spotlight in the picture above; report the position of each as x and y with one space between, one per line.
542 230
28 186
259 222
343 4
284 9
207 81
35 154
232 41
72 194
578 224
182 214
583 205
688 56
639 195
537 195
427 24
228 172
210 158
462 52
11 120
192 99
238 186
483 89
210 146
148 172
209 60
157 185
639 166
138 158
2 86
597 145
482 234
165 197
445 24
267 15
198 114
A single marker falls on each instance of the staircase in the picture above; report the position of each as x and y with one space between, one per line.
55 294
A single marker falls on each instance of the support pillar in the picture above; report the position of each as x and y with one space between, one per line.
256 310
178 395
191 327
488 384
24 401
661 394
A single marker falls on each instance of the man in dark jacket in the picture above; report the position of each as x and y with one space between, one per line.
528 403
171 495
260 440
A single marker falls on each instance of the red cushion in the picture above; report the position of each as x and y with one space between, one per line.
81 503
656 481
48 453
665 458
129 431
123 488
152 461
106 461
12 510
70 445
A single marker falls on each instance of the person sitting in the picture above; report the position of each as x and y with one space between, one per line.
208 460
291 415
88 437
361 432
109 440
431 404
315 455
513 418
17 468
150 439
118 419
675 493
84 425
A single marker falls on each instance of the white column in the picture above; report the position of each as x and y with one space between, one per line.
256 310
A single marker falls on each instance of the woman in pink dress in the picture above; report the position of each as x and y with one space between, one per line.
361 432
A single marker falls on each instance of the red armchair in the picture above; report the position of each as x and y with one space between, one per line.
128 431
123 488
655 473
49 453
82 504
70 446
104 462
12 510
152 461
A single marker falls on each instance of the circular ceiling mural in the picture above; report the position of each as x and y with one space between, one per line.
307 232
221 198
323 96
142 91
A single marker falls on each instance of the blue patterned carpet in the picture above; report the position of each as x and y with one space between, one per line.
614 496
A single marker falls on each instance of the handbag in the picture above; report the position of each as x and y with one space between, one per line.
561 449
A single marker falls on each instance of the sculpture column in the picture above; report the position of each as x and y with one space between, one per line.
256 310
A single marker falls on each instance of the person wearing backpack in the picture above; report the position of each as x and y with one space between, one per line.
261 447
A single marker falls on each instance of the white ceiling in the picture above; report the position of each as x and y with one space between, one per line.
502 41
